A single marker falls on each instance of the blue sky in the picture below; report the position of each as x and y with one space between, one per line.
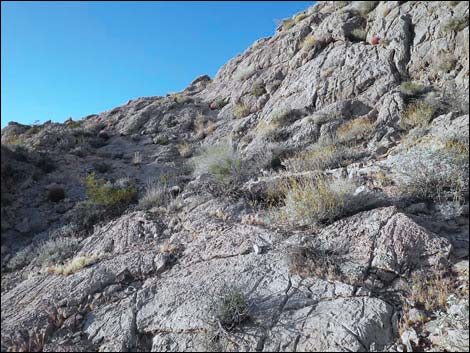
72 59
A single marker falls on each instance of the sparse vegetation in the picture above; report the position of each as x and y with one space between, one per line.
313 200
417 114
288 24
73 266
411 88
180 98
258 89
244 72
137 160
55 251
156 194
282 117
320 156
431 292
185 150
241 110
355 130
231 308
299 17
313 262
309 42
341 4
455 24
107 194
359 34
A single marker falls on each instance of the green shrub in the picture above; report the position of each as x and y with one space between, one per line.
232 308
99 192
241 110
417 114
223 164
411 88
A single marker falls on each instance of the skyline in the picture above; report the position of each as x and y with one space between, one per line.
72 59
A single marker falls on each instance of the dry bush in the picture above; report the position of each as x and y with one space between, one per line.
410 88
417 114
312 262
73 266
355 130
309 42
185 150
241 110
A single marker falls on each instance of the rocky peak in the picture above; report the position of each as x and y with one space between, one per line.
296 201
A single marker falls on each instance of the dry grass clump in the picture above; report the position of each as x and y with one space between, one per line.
156 194
417 114
73 266
315 200
288 24
455 24
299 17
258 89
185 150
231 308
309 42
241 110
430 292
355 130
320 156
312 262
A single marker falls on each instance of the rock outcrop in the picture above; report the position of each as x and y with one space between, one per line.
365 103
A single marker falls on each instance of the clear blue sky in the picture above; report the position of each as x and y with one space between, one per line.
62 59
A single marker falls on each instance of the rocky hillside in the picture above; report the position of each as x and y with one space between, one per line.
312 196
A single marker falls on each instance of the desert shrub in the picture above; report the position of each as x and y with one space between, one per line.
455 24
33 130
156 194
55 251
102 167
411 88
185 150
359 34
199 126
21 258
437 176
341 4
161 140
453 3
244 72
315 200
220 103
430 292
364 7
355 130
417 114
55 193
282 117
320 156
100 192
309 42
231 308
73 266
288 24
314 262
258 89
179 98
75 124
241 110
86 214
299 17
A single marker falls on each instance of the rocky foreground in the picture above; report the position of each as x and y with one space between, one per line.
313 196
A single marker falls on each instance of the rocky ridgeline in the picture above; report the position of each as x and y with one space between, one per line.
313 196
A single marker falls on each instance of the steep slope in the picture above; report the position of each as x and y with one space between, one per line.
296 202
